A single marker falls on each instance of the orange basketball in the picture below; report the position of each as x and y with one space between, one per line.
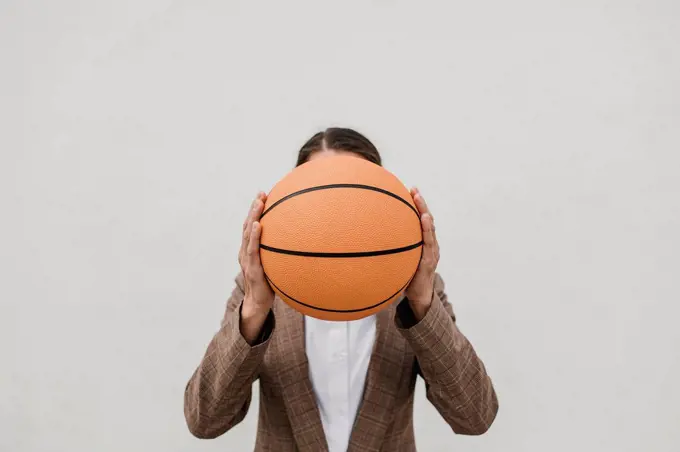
341 238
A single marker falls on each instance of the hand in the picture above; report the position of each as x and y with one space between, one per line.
420 291
259 296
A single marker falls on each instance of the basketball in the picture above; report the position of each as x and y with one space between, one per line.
341 238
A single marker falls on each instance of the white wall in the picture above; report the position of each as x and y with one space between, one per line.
545 136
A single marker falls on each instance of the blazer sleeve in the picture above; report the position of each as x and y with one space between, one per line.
456 380
217 396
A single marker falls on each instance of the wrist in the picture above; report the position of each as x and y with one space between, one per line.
252 319
250 309
419 308
420 303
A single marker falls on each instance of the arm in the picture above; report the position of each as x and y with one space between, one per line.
218 394
456 381
455 378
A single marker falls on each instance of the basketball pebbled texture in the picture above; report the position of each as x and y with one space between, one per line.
341 238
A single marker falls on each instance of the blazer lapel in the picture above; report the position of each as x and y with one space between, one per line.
385 372
296 387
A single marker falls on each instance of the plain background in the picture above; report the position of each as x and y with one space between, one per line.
545 136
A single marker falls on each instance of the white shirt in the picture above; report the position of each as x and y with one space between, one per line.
338 354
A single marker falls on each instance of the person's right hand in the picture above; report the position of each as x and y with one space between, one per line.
259 296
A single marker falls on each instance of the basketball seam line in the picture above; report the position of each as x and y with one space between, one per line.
329 186
343 310
341 254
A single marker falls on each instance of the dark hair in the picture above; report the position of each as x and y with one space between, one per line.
340 139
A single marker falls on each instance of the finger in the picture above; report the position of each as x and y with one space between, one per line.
242 249
263 199
430 247
421 204
245 222
414 191
254 212
257 210
260 197
427 224
434 227
253 216
254 246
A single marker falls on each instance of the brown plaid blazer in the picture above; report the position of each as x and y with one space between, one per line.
218 394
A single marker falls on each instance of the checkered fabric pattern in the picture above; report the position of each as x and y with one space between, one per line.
218 394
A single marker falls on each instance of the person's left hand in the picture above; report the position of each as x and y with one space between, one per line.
420 291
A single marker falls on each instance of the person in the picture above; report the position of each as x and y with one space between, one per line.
337 386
